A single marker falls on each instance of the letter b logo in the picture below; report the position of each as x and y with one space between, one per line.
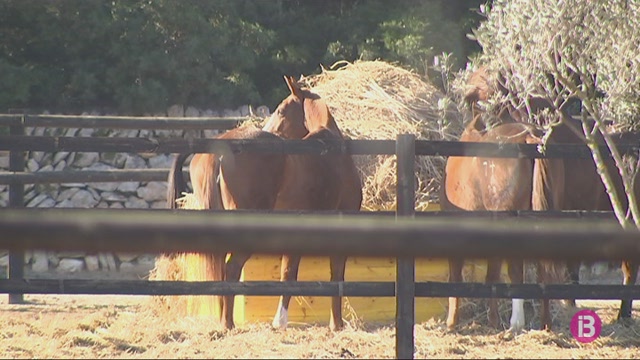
586 326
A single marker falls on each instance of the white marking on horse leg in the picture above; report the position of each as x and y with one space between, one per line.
281 319
517 314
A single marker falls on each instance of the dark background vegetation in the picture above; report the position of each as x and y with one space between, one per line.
139 57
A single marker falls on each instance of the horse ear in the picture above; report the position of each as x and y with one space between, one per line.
293 86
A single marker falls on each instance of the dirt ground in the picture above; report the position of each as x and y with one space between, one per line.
105 326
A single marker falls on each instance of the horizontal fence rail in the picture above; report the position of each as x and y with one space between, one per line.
85 176
143 231
121 122
489 215
316 288
311 146
492 215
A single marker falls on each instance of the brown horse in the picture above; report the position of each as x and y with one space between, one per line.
327 182
229 181
584 189
482 84
283 182
478 183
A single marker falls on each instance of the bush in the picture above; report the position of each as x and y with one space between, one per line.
141 57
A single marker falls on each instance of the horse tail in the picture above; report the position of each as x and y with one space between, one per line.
199 266
207 180
176 183
548 184
211 199
548 194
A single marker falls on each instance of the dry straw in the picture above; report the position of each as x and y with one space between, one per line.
379 100
183 267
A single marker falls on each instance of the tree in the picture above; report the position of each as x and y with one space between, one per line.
573 49
140 57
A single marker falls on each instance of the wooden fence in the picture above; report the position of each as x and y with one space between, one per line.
403 233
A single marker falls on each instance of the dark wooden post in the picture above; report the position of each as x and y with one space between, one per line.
405 266
16 200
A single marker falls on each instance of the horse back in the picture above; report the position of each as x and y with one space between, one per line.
250 180
246 180
584 189
320 182
483 183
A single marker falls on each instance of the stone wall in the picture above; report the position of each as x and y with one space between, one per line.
115 195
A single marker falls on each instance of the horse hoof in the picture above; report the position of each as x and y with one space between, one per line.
281 319
451 323
336 326
279 324
451 329
508 335
517 325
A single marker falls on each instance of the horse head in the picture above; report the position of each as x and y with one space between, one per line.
483 84
301 113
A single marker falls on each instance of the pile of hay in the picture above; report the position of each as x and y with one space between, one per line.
184 267
378 100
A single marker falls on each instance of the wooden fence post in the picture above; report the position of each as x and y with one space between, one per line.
405 266
16 200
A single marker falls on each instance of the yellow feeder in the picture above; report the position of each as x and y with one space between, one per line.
315 310
309 309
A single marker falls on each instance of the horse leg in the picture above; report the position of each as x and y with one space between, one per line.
543 278
493 276
630 273
455 276
233 271
337 265
515 269
288 272
573 268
